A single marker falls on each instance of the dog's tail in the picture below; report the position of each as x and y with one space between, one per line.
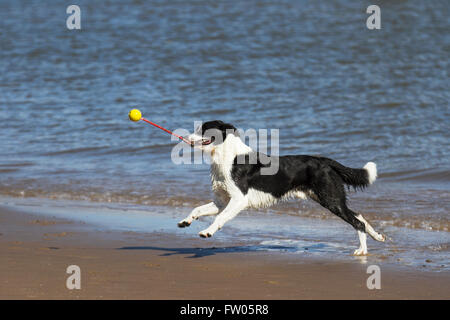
358 178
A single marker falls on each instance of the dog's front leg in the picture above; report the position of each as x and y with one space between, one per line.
205 210
231 210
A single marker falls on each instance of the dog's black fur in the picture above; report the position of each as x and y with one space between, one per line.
321 177
324 177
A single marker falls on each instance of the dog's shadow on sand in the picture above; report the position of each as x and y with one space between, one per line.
204 252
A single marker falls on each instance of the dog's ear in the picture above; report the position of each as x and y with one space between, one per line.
217 124
227 128
223 128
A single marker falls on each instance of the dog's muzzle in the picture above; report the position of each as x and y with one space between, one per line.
199 142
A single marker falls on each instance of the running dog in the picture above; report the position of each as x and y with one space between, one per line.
238 181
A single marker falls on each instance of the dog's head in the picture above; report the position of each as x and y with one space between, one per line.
211 134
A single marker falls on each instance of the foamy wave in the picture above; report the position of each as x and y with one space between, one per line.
106 197
380 219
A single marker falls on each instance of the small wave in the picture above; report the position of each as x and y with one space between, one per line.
223 111
126 197
73 151
8 170
441 175
389 105
380 218
16 164
107 150
442 247
37 52
137 149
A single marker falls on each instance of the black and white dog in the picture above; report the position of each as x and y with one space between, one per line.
238 184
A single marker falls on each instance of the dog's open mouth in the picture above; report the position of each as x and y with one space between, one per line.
206 141
202 142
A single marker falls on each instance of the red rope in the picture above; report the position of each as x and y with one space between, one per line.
168 131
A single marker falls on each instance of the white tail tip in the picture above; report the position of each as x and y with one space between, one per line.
371 169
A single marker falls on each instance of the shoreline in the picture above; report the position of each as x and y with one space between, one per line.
295 237
115 264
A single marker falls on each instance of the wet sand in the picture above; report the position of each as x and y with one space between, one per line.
36 250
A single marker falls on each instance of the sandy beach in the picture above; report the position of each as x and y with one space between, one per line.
82 185
36 250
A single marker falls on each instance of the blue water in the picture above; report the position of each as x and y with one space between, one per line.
308 68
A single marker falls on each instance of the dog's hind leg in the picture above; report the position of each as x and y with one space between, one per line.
369 229
329 192
343 212
362 250
205 210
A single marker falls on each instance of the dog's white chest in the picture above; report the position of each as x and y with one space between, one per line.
220 182
219 177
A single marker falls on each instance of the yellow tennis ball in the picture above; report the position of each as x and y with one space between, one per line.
135 115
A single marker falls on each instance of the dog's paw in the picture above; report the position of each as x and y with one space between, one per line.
184 223
380 237
205 234
360 252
